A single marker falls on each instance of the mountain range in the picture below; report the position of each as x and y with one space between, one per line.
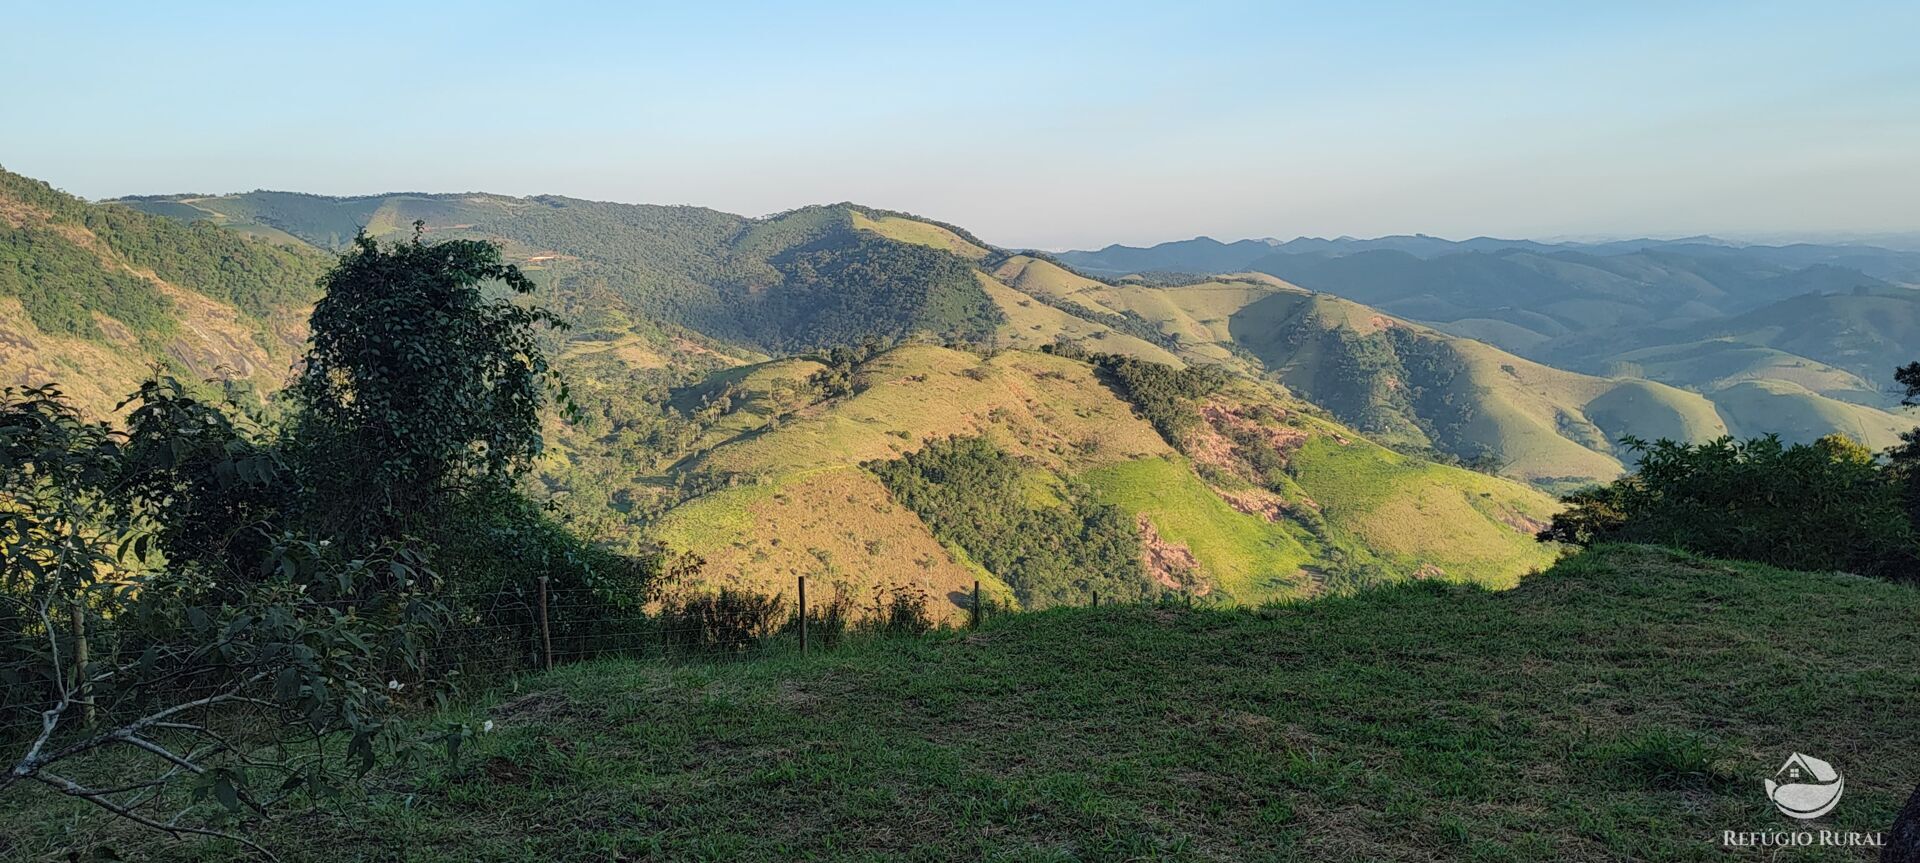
1250 421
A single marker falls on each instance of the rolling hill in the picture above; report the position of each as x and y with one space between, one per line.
780 395
715 427
781 490
1792 340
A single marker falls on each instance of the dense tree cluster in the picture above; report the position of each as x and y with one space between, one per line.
69 279
1164 395
1053 544
62 286
860 287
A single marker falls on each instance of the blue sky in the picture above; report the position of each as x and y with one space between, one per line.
1052 125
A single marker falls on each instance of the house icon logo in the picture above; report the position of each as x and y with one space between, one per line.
1805 787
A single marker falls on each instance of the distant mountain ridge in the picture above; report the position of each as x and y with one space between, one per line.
838 274
1699 313
1208 255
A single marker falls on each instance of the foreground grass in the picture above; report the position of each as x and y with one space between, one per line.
1625 705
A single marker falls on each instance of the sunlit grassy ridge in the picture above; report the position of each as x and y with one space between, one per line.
914 231
1797 414
805 514
1624 705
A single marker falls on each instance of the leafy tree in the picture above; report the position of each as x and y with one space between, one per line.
422 380
245 600
302 650
1904 458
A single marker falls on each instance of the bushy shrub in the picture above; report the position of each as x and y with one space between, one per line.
1827 505
726 621
901 610
827 622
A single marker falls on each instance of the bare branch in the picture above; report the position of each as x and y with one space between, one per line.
74 789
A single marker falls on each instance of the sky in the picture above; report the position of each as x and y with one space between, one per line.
1034 124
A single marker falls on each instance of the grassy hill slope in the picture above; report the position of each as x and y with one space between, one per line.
787 498
1623 706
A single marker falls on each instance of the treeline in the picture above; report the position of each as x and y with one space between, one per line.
1826 505
1050 541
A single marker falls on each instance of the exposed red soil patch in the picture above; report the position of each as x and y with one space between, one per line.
1522 523
1170 564
1258 502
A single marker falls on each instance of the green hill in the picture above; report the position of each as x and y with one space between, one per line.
1561 720
1418 387
810 278
92 296
1695 314
788 498
719 422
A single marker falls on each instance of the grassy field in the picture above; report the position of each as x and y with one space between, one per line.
919 233
1247 558
1623 706
1472 526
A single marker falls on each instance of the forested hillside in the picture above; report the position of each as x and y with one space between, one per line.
93 295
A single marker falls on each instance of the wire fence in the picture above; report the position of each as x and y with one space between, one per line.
500 635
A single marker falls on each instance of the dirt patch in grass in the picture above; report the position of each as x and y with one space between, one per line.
1170 564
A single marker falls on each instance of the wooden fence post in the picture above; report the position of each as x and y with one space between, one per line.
975 621
803 615
81 653
546 629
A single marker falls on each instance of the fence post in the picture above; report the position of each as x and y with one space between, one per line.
1096 599
975 622
803 615
80 658
546 630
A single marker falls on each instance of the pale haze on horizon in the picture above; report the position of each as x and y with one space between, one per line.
1033 124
